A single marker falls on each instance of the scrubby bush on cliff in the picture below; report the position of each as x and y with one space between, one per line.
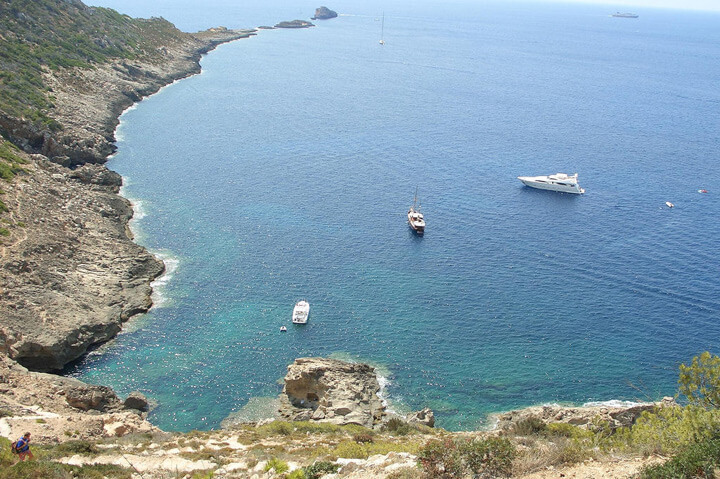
460 457
529 426
398 427
698 460
669 430
356 450
276 464
700 381
10 161
53 470
319 469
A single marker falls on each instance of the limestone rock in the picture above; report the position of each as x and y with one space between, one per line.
137 400
425 417
586 416
329 390
324 13
87 397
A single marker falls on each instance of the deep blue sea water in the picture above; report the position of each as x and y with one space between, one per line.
285 170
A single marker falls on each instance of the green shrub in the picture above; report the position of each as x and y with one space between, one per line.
460 457
700 382
51 470
296 474
6 457
563 429
70 448
4 232
319 469
397 427
530 426
671 429
278 465
282 428
363 438
697 460
202 475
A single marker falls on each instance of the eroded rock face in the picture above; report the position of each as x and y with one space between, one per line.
87 397
329 390
587 417
136 400
69 271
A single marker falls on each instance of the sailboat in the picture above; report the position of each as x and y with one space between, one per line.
415 218
382 30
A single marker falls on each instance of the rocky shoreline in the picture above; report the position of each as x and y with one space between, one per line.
70 272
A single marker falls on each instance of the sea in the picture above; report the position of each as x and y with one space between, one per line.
285 170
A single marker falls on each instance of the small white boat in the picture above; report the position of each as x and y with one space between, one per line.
283 329
669 205
415 218
301 311
561 182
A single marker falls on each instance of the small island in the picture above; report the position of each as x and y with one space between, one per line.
324 13
294 24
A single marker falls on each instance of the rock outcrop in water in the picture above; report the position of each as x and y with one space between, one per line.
324 13
329 390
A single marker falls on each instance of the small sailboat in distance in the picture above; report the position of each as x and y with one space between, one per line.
382 30
415 218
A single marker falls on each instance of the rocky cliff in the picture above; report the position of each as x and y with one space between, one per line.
69 271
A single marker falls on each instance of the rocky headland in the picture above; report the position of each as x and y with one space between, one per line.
70 273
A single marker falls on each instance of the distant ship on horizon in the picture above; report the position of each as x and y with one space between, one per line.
625 15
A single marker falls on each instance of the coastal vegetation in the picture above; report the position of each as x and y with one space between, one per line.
10 161
39 36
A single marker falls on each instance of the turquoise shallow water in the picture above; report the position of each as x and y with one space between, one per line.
284 171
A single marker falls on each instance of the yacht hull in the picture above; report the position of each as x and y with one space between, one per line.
560 183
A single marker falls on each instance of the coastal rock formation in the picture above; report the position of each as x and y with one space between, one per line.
424 417
41 404
69 271
324 13
136 400
87 397
586 416
70 274
329 390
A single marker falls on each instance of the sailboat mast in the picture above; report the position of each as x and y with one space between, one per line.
415 199
382 30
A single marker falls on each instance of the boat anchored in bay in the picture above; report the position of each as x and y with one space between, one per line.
415 218
301 311
558 182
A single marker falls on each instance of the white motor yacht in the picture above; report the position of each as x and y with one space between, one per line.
301 311
558 182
